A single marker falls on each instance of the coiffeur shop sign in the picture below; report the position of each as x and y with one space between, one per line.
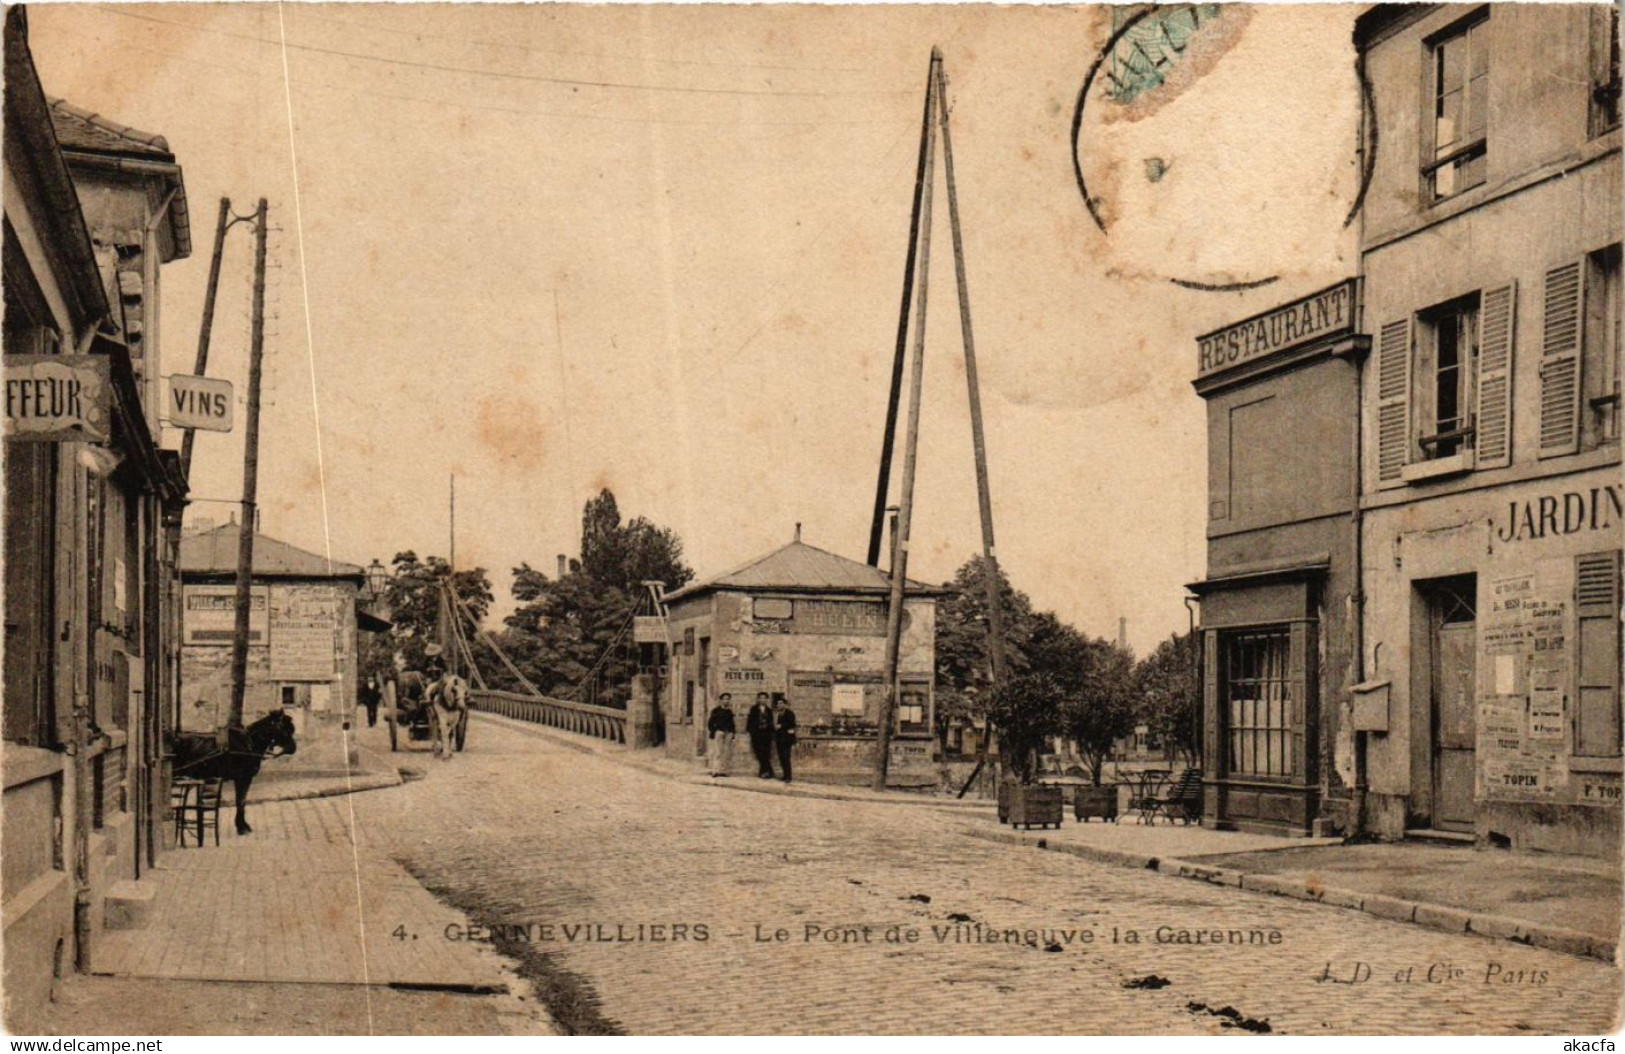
1328 313
58 398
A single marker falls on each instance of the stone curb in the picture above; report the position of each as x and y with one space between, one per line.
1429 916
621 755
369 781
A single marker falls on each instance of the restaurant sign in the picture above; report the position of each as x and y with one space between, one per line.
1328 313
58 398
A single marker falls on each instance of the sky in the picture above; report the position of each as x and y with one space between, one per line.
553 249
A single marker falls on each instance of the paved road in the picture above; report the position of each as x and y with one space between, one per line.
616 874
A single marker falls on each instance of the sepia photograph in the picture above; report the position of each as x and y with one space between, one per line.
701 519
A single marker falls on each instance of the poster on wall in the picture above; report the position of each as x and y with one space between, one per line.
1523 693
304 621
210 614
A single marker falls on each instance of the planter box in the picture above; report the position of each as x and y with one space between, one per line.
1036 806
1095 801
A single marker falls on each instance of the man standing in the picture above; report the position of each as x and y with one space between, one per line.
720 728
370 696
759 726
784 733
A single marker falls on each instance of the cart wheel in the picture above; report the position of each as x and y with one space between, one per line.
393 744
462 730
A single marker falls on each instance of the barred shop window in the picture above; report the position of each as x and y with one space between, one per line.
1258 703
1596 605
1605 80
1460 75
1447 378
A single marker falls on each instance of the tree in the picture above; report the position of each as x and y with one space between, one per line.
1100 708
1026 710
1168 697
413 599
964 669
563 627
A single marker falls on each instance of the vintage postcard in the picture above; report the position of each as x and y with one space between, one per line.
677 520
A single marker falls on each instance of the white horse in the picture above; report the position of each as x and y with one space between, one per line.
449 696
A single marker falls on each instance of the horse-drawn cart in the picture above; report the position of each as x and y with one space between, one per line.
412 718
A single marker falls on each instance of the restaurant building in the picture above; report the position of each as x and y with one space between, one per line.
1488 703
810 625
1281 391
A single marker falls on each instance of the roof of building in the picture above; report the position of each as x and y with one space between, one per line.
89 138
215 552
799 567
80 129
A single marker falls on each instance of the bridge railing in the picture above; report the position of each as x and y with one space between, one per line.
602 722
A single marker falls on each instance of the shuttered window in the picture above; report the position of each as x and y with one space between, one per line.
1497 325
1599 370
1563 303
1393 401
1597 607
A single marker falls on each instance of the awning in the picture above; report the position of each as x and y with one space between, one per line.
372 623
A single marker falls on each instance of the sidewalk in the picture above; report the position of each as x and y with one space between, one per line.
1568 904
303 905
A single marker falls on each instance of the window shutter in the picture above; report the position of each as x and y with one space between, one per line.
1597 611
1497 328
1561 334
1213 761
1393 401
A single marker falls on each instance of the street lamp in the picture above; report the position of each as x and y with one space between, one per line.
377 580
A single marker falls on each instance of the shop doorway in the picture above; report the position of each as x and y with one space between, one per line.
1452 634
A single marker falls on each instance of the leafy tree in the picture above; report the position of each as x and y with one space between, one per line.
964 669
564 626
1026 710
413 600
1100 706
1168 697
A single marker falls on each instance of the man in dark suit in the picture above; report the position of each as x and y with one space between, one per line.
719 752
784 734
759 726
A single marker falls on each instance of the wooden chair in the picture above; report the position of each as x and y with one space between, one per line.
196 806
1181 800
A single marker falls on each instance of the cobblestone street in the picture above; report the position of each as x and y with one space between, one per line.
670 907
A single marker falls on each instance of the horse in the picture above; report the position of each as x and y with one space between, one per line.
197 755
449 695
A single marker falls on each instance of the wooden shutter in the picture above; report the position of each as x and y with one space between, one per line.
1561 336
1496 327
1393 401
1596 606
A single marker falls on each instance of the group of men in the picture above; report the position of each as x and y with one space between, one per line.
770 724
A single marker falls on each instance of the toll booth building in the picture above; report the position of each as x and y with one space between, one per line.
810 625
1282 399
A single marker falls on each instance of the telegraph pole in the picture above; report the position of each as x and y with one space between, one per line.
889 439
899 571
207 327
984 498
251 465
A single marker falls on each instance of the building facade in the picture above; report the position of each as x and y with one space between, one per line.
811 626
1281 391
303 645
1488 699
88 590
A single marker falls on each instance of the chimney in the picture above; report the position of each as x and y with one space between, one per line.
1122 632
564 566
798 530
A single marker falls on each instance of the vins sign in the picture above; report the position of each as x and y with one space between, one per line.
200 402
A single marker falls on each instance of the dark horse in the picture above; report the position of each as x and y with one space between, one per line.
198 755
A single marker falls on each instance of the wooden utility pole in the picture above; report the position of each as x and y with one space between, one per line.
889 439
251 467
984 498
899 574
207 326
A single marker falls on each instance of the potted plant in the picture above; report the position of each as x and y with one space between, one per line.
1025 711
1095 716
